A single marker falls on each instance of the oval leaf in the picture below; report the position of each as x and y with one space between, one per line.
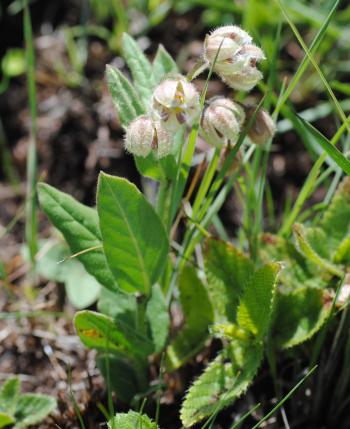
134 238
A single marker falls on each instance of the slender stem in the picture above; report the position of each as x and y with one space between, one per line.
31 201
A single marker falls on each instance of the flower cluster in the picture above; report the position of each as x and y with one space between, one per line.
234 56
175 102
229 50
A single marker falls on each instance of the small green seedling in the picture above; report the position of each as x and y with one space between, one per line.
21 410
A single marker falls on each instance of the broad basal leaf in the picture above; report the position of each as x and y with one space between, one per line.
162 65
157 316
122 376
131 420
227 270
79 225
134 239
9 394
32 409
225 379
102 333
81 287
198 314
299 315
255 307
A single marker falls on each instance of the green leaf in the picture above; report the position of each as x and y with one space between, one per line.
331 150
100 332
134 238
79 226
227 270
298 316
118 305
131 420
156 169
140 67
124 96
122 376
297 270
163 64
255 307
9 394
5 420
158 318
305 247
198 314
225 379
32 409
81 287
335 221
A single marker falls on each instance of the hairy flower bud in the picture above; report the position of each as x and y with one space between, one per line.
263 127
230 37
236 57
176 101
145 135
221 122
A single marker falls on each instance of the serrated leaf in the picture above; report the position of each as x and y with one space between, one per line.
124 96
79 226
298 316
5 420
255 307
335 221
140 67
225 379
9 394
227 270
122 376
198 314
134 239
32 409
131 420
100 332
162 64
305 247
158 319
297 270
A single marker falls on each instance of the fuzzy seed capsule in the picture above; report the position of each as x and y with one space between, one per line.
144 135
263 128
221 122
175 102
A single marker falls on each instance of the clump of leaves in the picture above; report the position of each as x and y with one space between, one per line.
272 292
21 410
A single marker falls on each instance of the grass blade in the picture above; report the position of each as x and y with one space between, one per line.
31 229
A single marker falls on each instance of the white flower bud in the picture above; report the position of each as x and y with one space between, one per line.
221 122
244 81
176 101
237 58
241 62
263 127
144 135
